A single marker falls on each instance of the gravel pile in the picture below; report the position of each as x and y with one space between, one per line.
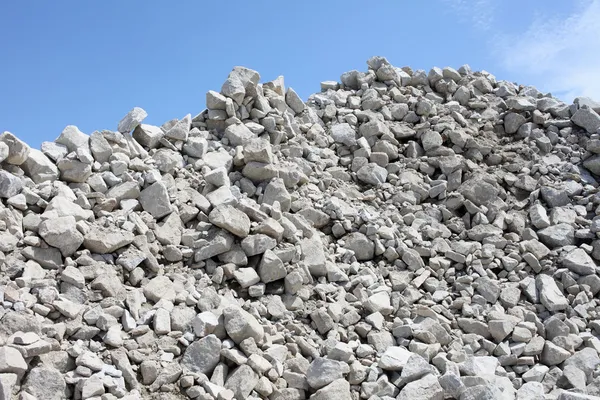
401 235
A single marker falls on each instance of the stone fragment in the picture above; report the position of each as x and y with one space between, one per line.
39 167
231 219
11 361
550 295
10 185
7 384
271 268
132 120
553 354
62 233
241 325
344 134
336 390
394 358
159 288
203 355
257 244
294 101
539 216
427 387
106 240
45 383
18 151
587 118
557 235
372 174
478 190
363 248
74 171
579 262
322 372
148 135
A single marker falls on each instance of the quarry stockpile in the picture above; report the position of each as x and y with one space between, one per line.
401 235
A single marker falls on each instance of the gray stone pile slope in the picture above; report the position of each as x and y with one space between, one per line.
401 235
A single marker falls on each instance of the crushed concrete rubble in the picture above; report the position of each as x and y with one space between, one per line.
402 234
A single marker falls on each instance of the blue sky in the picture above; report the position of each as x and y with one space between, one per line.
87 63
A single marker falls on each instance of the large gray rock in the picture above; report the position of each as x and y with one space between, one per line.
45 383
39 167
155 200
132 120
242 381
62 233
215 101
11 361
181 129
195 147
217 242
579 262
431 140
539 216
276 191
363 247
148 135
586 101
240 83
61 206
557 235
72 138
203 355
586 360
18 151
553 354
336 390
8 382
54 151
479 191
322 372
554 197
103 240
294 101
100 147
159 288
271 267
257 244
394 358
124 191
239 135
167 160
427 387
314 256
550 295
258 150
4 151
593 164
10 185
587 118
231 219
72 170
344 134
241 325
512 122
372 174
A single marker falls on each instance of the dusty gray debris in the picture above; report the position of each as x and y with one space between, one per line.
402 234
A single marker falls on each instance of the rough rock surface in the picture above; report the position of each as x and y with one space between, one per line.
403 234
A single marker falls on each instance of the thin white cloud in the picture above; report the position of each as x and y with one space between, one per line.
561 54
480 13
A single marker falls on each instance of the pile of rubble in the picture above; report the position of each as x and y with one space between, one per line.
402 234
